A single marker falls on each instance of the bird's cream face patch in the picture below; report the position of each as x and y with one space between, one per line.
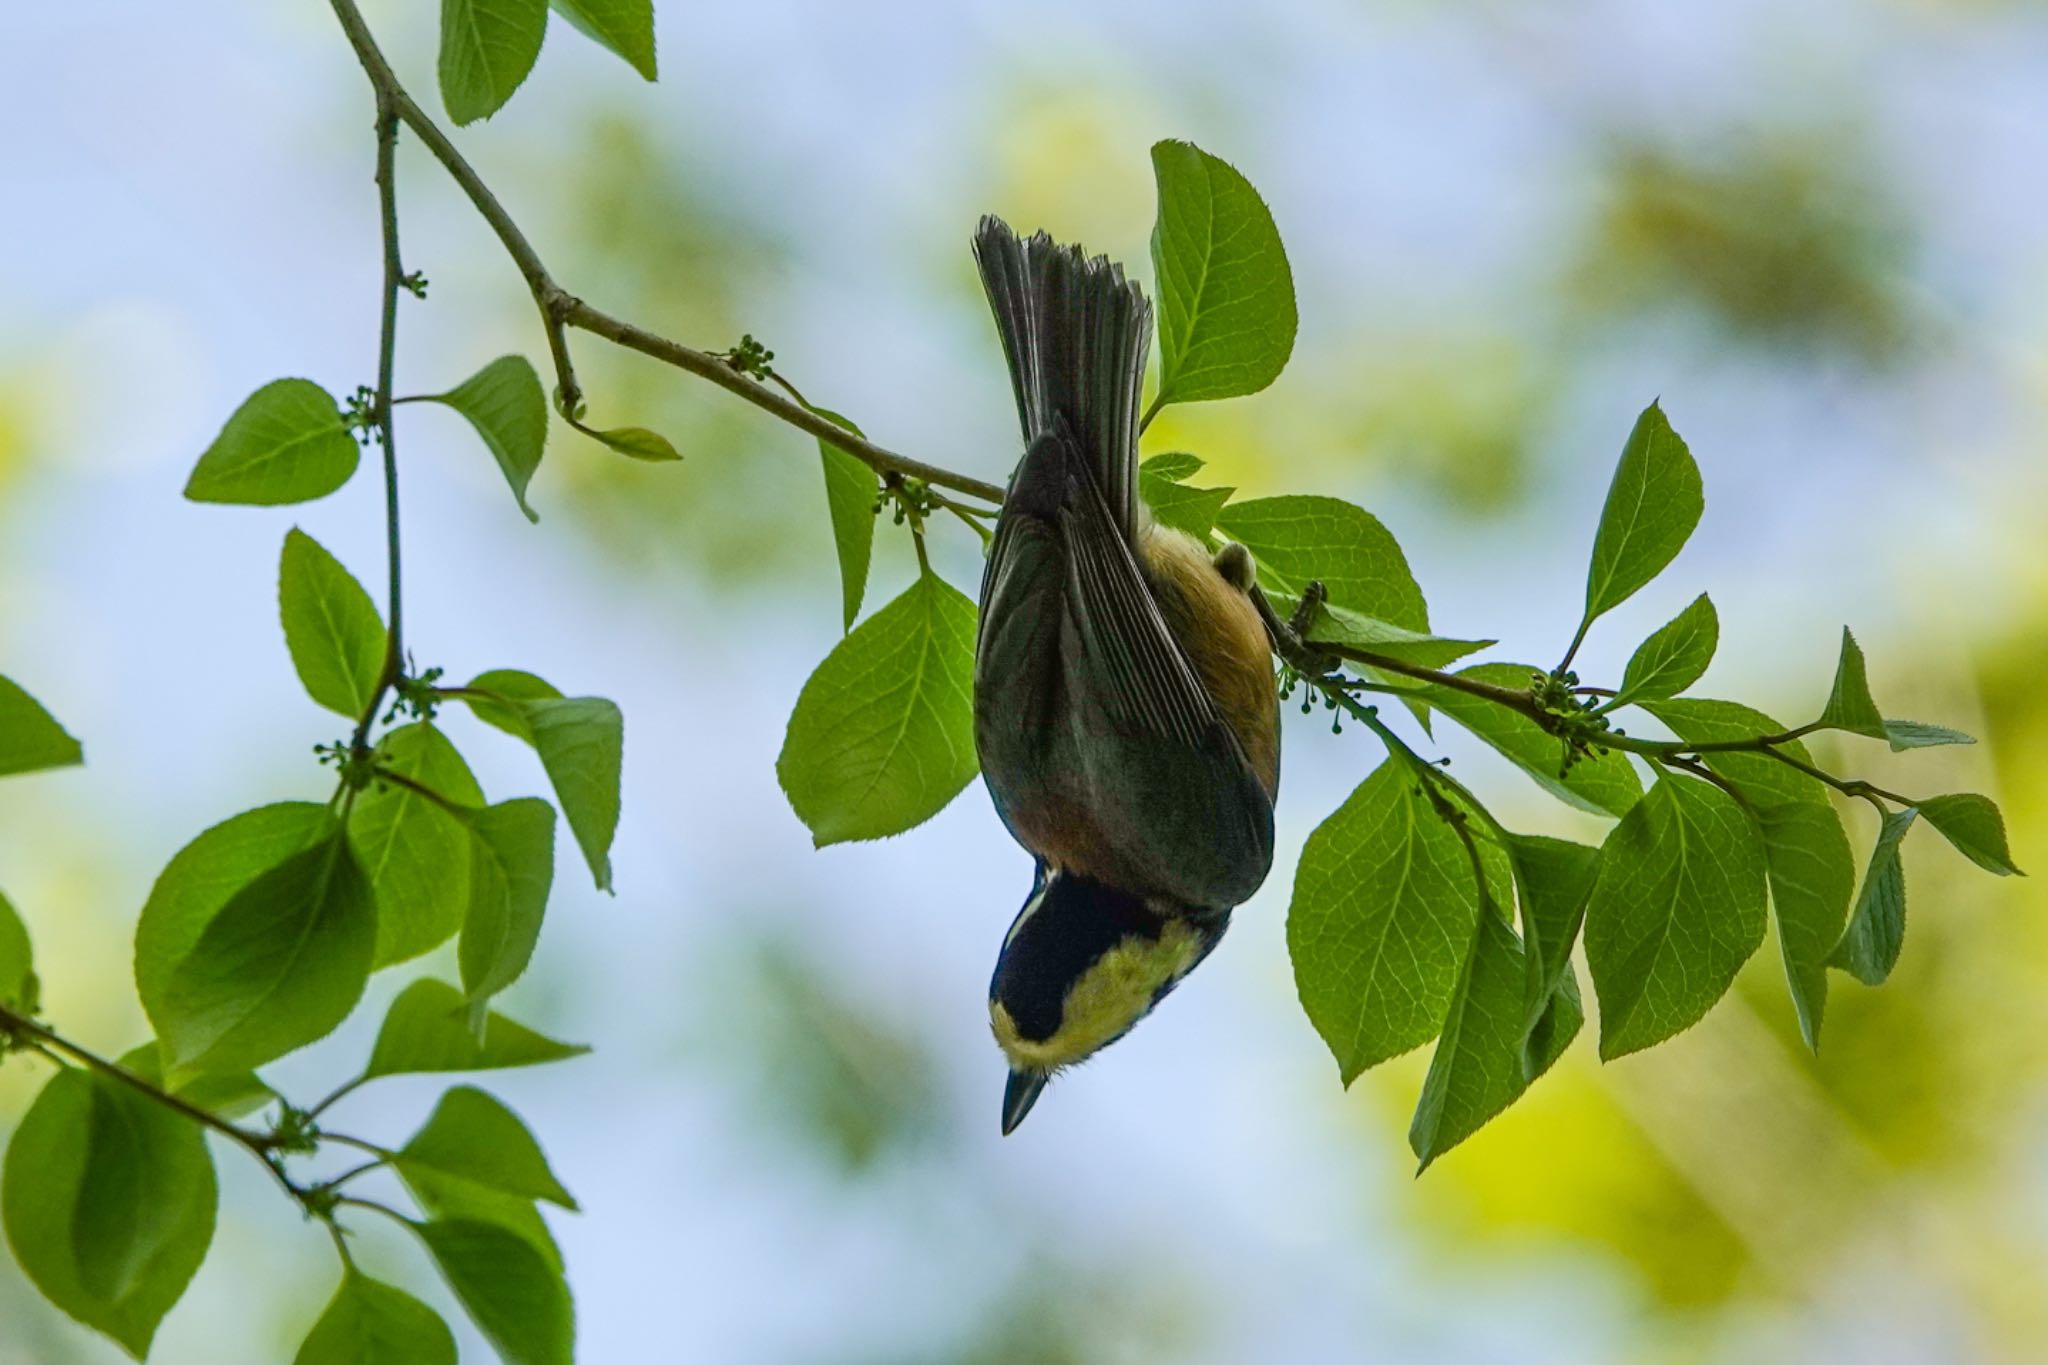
1107 998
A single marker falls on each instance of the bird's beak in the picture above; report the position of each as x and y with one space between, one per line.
1019 1095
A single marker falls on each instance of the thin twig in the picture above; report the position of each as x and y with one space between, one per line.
387 359
560 310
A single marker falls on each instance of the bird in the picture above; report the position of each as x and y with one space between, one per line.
1125 711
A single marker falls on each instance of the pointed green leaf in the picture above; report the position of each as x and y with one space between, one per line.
201 878
1973 825
19 989
1677 907
427 1029
415 853
581 743
637 443
1673 658
229 1094
109 1202
883 733
331 626
1603 784
369 1322
1355 630
288 442
1477 1070
279 966
1877 927
1295 540
1226 294
512 867
1174 466
1849 705
850 492
449 1200
505 402
472 1136
519 1301
1652 507
1193 510
1811 867
1914 734
626 27
1380 920
487 47
1553 877
30 737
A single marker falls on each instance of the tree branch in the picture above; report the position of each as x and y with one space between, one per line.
560 310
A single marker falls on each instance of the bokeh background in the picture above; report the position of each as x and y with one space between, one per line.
1814 230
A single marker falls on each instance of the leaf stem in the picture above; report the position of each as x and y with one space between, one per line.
387 359
1158 402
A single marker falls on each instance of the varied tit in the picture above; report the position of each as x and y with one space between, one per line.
1124 702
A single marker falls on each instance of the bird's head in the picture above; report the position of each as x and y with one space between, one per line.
1083 962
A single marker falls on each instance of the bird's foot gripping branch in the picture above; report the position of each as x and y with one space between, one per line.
1415 915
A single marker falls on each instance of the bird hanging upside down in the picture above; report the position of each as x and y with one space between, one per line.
1124 701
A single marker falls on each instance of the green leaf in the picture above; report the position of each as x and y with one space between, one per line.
201 878
1295 540
850 489
1226 295
288 442
1355 630
369 1322
1877 927
1677 907
30 737
1973 825
581 743
1849 705
1914 734
1174 466
414 852
1380 921
331 626
626 27
504 400
460 1201
638 443
427 1029
1603 784
507 688
471 1136
1811 866
280 966
487 47
1478 1069
1652 507
518 1300
229 1094
512 866
1553 877
109 1203
883 733
1175 505
19 989
1673 658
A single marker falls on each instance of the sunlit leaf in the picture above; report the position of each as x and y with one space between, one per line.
1677 907
1380 921
30 737
1603 784
288 442
1226 294
415 853
512 867
1553 878
1914 734
472 1136
581 744
850 491
369 1322
883 733
487 47
1673 658
1849 705
427 1029
516 1298
1652 507
109 1202
19 989
1295 540
504 401
626 27
1877 927
1973 825
331 626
